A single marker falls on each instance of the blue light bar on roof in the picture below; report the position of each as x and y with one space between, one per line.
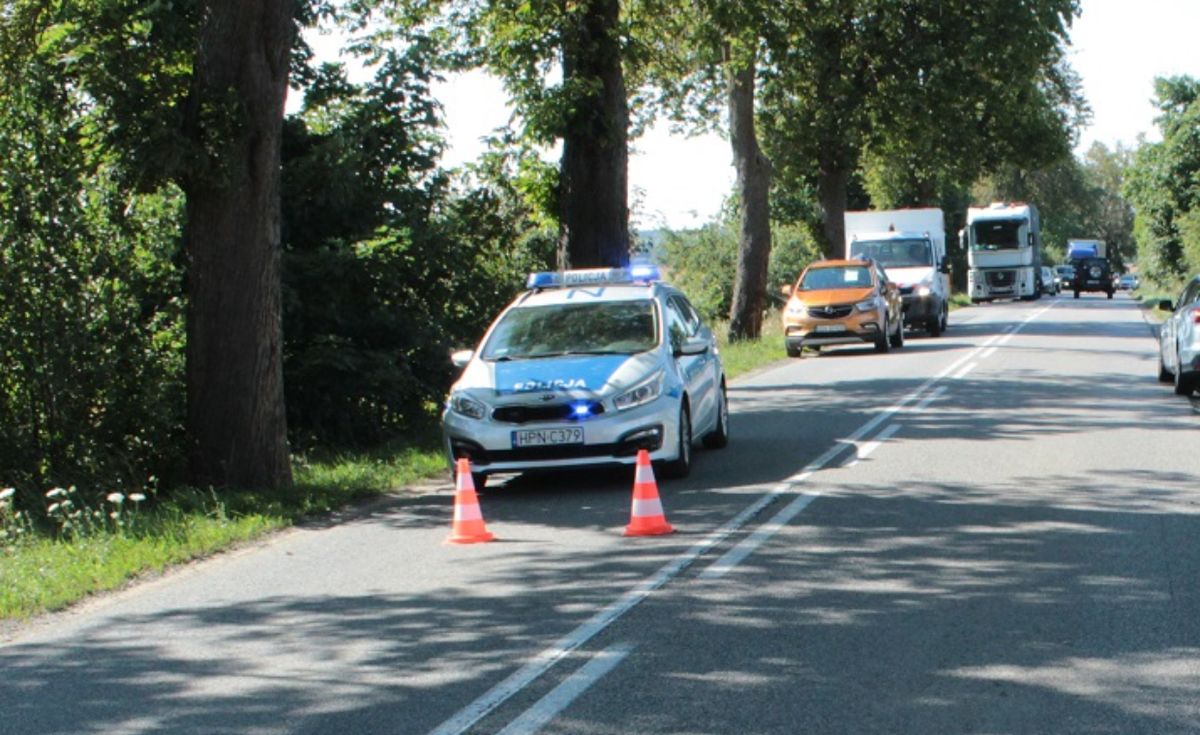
642 273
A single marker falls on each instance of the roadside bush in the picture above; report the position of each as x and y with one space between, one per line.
91 325
703 262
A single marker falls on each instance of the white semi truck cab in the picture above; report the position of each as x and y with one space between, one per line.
910 244
1004 252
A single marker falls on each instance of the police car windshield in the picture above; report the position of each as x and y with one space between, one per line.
553 330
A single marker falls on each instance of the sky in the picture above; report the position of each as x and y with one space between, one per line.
1117 48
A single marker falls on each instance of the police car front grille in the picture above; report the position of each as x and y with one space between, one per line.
523 414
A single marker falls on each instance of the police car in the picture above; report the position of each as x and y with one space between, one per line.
585 368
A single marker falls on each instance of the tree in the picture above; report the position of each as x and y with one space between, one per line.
1162 185
587 110
933 92
192 93
702 53
237 422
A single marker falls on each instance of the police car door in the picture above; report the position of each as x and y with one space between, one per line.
697 370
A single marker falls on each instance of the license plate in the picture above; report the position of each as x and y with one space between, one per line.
829 328
547 437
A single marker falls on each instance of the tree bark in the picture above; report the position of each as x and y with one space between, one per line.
594 178
753 185
235 406
831 193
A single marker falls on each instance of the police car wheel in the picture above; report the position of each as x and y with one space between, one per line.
681 466
479 479
719 436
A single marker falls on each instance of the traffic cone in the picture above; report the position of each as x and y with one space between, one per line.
647 517
468 527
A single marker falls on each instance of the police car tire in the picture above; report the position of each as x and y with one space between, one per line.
719 437
681 466
479 479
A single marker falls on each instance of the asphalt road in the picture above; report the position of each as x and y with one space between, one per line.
994 532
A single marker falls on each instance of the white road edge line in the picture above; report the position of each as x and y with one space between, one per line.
561 697
462 720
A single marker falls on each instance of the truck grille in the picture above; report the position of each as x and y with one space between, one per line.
1001 279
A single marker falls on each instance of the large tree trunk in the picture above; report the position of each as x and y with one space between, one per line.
753 185
594 180
236 420
831 193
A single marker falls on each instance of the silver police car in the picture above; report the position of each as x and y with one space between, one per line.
585 368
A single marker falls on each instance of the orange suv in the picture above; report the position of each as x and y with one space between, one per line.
839 302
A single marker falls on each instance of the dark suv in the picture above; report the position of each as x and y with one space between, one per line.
1092 274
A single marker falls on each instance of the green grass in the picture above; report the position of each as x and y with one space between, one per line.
743 356
42 574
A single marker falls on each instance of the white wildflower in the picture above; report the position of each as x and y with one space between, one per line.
7 493
116 498
55 492
137 497
53 507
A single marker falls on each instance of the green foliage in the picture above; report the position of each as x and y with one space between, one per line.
387 265
91 325
702 263
1164 186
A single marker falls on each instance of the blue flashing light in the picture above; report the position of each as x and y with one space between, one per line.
581 410
641 273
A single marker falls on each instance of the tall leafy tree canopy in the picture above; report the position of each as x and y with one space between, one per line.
1164 185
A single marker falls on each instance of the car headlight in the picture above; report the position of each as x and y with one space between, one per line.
868 305
923 290
466 406
642 393
795 307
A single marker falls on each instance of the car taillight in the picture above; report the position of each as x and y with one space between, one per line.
1196 315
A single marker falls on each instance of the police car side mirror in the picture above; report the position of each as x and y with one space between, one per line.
945 266
693 346
460 358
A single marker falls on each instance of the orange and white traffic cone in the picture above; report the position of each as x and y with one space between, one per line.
647 517
468 527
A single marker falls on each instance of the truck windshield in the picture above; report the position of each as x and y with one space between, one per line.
997 234
907 253
605 327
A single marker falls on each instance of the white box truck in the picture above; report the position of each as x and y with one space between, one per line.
910 244
1004 252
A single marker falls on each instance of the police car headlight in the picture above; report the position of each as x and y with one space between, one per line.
868 305
469 407
922 290
642 393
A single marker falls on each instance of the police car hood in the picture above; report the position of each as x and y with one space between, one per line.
583 376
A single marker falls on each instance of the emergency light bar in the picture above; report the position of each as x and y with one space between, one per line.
593 277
